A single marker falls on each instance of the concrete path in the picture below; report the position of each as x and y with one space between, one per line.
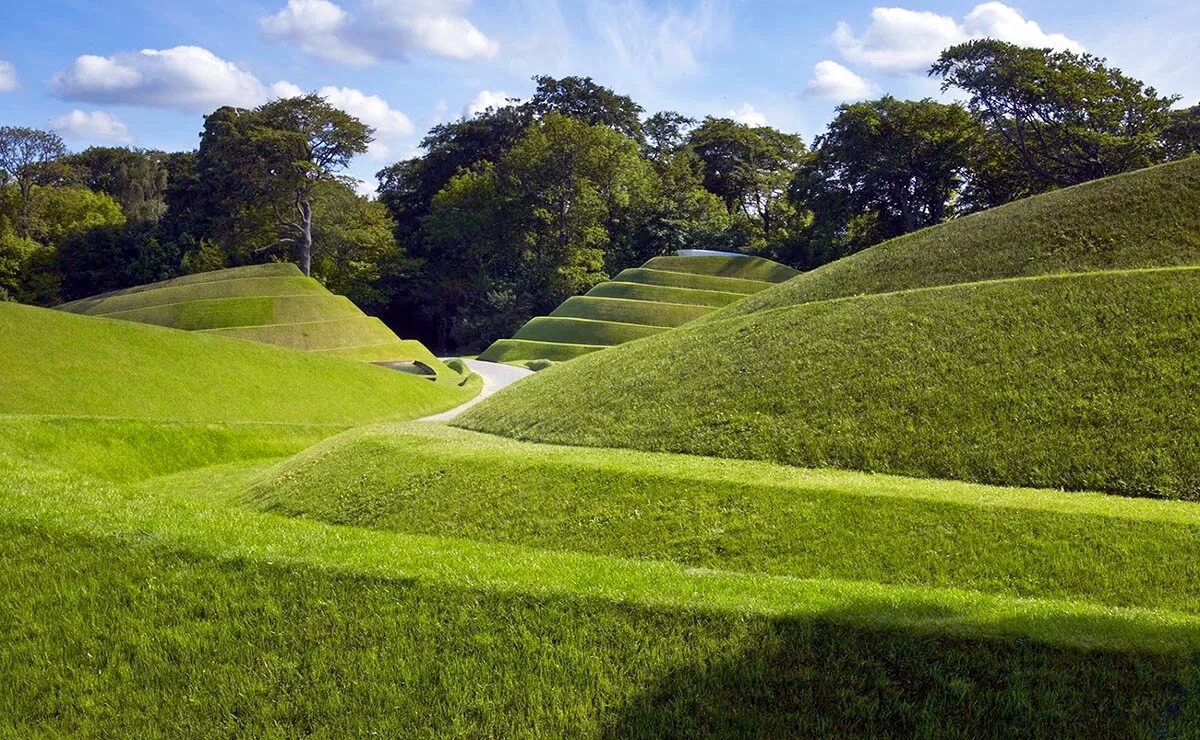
495 376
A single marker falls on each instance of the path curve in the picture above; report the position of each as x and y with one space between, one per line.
495 376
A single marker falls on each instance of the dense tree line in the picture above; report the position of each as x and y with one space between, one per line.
507 212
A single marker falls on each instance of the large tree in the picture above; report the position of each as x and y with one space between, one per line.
27 158
136 178
302 142
902 160
1066 118
585 100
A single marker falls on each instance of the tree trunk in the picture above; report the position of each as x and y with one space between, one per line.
305 244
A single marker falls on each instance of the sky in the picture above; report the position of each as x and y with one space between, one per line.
144 72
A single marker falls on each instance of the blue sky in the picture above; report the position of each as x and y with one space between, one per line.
143 72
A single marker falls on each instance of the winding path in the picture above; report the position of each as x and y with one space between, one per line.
495 376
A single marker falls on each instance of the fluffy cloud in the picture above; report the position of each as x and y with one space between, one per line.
487 99
8 77
832 81
900 41
381 29
188 78
390 124
748 115
94 126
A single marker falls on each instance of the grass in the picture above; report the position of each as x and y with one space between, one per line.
1080 382
1149 218
583 331
59 363
205 291
223 313
664 294
676 279
620 310
157 605
520 350
745 267
747 517
640 303
271 303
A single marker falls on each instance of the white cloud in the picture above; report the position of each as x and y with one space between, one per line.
94 126
8 77
663 43
832 81
900 41
487 99
390 125
381 29
184 77
748 115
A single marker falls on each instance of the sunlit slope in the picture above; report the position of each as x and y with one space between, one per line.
1149 218
664 293
57 363
272 303
1081 382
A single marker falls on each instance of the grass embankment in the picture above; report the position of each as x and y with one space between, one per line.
1149 218
665 293
156 605
747 516
56 363
272 304
583 331
1082 382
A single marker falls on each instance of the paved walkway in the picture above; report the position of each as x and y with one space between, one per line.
495 376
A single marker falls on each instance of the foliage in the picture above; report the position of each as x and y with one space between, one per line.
583 100
105 258
28 157
901 161
1067 118
136 179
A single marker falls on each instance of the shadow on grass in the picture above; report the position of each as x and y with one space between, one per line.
821 679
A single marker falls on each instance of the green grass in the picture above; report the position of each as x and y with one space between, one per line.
664 294
1149 218
1080 382
206 291
221 313
59 363
677 279
747 517
271 303
620 310
157 605
520 350
746 267
582 331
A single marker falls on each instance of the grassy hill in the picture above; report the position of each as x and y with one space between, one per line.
1148 218
155 600
1077 382
665 292
272 303
58 363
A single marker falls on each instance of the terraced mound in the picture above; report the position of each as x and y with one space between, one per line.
57 363
1083 382
664 293
1149 218
272 303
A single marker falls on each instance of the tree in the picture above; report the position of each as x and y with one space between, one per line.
112 257
903 160
137 179
26 158
302 141
750 169
1181 137
1067 118
55 213
584 100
